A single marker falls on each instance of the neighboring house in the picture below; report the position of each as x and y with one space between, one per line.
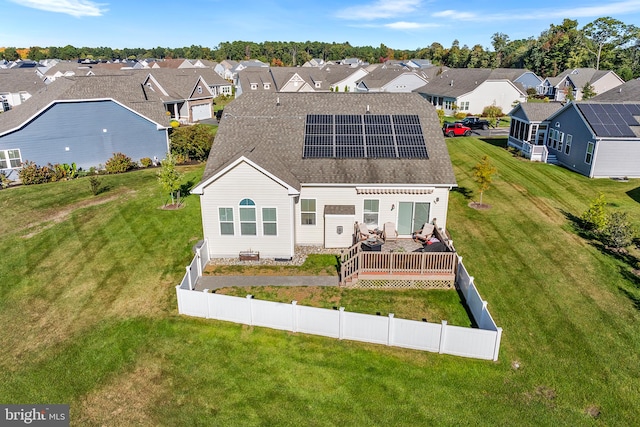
84 120
314 62
626 92
419 63
224 68
16 86
570 84
470 90
528 131
297 79
185 92
291 169
391 79
597 139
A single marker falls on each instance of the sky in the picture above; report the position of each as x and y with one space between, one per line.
398 24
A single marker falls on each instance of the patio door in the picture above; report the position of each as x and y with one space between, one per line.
412 216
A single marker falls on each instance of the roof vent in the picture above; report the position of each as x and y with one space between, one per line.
451 84
277 101
368 112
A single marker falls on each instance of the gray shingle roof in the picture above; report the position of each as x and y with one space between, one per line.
455 82
17 80
539 111
272 136
124 88
627 92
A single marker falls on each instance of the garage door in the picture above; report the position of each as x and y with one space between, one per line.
200 112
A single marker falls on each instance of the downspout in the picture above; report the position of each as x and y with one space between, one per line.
593 158
292 240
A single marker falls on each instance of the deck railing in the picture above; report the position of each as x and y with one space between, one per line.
355 262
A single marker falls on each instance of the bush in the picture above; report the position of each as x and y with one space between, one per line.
192 142
63 172
460 116
146 162
94 185
595 218
618 232
34 174
492 111
119 163
4 181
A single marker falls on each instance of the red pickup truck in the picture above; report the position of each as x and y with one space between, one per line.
456 129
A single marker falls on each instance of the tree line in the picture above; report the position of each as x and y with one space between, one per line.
605 43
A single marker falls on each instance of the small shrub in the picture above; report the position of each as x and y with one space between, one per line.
94 185
460 116
595 217
63 172
4 181
146 162
31 173
119 163
181 159
618 232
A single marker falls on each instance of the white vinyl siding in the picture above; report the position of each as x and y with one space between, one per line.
247 182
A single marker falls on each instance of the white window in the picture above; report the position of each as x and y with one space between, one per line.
226 221
269 222
10 159
567 147
371 210
448 104
248 218
464 106
308 211
226 90
589 156
560 141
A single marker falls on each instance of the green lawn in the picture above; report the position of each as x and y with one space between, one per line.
87 302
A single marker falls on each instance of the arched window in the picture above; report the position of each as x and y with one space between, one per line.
248 218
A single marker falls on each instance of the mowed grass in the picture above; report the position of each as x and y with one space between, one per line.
87 303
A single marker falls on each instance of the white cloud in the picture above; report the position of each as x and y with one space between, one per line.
455 14
617 8
403 25
75 8
380 9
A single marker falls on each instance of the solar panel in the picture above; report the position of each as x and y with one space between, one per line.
320 119
352 136
348 119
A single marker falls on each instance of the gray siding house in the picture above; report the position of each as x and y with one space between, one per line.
75 121
528 129
597 140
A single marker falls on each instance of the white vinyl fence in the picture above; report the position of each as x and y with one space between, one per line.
480 343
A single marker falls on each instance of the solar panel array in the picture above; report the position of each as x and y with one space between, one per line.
355 136
611 119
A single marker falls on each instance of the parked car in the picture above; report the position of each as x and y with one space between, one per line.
475 123
455 129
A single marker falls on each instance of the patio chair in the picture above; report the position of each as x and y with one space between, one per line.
424 234
389 231
364 233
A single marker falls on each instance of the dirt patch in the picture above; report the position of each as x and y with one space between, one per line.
54 217
126 400
479 206
172 206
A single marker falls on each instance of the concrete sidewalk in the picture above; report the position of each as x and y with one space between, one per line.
217 282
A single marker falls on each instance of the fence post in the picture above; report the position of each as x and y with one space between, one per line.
483 314
294 322
178 297
496 349
199 263
188 267
249 298
443 333
341 324
390 331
